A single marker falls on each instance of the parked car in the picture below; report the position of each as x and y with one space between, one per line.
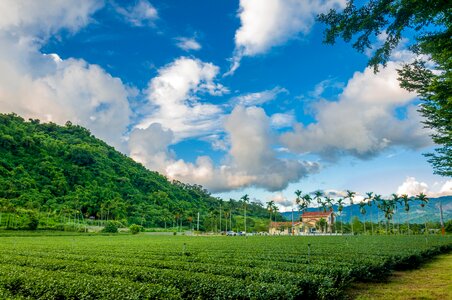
231 233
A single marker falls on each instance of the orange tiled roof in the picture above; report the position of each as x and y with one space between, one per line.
316 214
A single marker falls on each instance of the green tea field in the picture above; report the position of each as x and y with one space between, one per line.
191 267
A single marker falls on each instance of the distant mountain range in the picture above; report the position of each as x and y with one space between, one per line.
416 214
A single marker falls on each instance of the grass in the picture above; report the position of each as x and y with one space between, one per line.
433 280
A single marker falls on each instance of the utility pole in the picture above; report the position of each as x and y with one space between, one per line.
292 223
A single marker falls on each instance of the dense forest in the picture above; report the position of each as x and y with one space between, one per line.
64 173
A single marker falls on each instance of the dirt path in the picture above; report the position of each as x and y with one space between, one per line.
432 281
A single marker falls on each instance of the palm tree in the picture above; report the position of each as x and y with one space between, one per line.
396 200
351 195
298 201
369 203
270 205
245 200
340 207
424 200
399 202
362 210
377 199
406 201
318 197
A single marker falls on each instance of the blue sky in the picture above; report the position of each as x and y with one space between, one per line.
238 96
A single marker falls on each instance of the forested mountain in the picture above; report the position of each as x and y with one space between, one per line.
65 170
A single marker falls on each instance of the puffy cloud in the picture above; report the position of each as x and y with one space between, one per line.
188 44
142 13
265 24
173 98
258 98
36 85
281 200
282 120
40 19
412 187
363 121
250 160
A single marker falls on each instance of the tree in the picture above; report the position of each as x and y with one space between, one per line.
270 205
377 200
298 201
350 196
406 203
362 210
340 207
369 203
318 197
245 200
424 200
431 21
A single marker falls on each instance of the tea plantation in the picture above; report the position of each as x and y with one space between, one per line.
200 267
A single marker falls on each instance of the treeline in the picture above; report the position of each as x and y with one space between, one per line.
65 173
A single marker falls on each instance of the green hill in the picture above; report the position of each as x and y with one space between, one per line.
64 173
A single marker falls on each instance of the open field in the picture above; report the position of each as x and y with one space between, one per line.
174 267
431 281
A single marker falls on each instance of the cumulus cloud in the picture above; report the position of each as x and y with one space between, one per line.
173 98
36 85
412 187
250 161
188 44
142 13
258 98
363 122
282 120
40 19
265 24
281 200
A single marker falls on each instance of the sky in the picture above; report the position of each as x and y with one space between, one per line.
241 97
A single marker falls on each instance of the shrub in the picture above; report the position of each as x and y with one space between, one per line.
135 229
111 227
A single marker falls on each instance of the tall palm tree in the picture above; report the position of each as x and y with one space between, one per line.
396 200
340 207
270 205
424 200
362 210
298 201
377 200
369 203
318 197
350 196
399 202
245 200
406 203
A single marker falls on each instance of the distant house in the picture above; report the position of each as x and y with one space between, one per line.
310 219
285 228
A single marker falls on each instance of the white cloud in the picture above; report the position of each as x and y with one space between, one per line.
258 98
250 160
265 24
40 19
363 122
281 200
188 44
142 13
173 97
282 120
36 85
412 187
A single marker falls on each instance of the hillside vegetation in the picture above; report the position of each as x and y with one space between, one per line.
65 173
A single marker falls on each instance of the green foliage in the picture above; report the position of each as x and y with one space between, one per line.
158 267
135 229
33 221
66 174
111 227
431 20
